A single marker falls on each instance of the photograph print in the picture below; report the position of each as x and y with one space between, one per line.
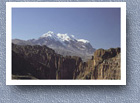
66 43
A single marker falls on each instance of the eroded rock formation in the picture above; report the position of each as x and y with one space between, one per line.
105 64
41 62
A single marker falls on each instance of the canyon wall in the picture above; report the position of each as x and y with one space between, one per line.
41 62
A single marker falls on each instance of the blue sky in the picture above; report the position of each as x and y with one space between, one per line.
100 26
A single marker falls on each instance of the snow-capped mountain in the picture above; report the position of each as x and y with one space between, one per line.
62 43
59 37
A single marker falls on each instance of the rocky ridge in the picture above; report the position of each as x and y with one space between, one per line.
41 62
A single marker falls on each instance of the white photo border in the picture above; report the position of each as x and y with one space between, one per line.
10 5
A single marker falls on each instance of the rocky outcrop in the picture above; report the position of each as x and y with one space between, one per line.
41 62
105 64
101 54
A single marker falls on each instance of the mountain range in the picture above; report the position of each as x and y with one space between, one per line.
62 44
60 56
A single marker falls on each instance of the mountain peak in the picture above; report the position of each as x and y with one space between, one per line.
48 34
62 37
